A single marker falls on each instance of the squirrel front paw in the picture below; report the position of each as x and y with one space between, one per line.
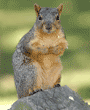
39 48
56 50
60 46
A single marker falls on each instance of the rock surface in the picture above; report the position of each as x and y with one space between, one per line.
58 98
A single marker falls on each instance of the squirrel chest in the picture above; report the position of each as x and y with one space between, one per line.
46 49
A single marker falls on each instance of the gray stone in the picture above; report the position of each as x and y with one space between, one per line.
58 98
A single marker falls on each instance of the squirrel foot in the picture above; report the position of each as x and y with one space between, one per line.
57 85
35 91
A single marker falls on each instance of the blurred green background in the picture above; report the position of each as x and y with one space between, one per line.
17 17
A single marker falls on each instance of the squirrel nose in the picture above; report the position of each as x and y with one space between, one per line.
48 28
48 25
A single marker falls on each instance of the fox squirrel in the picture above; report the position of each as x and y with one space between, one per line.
36 61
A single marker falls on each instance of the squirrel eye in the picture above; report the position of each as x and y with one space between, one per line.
57 18
40 18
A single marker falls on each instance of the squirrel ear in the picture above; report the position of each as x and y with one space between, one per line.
37 8
60 7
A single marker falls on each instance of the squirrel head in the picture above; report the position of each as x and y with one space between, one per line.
48 19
